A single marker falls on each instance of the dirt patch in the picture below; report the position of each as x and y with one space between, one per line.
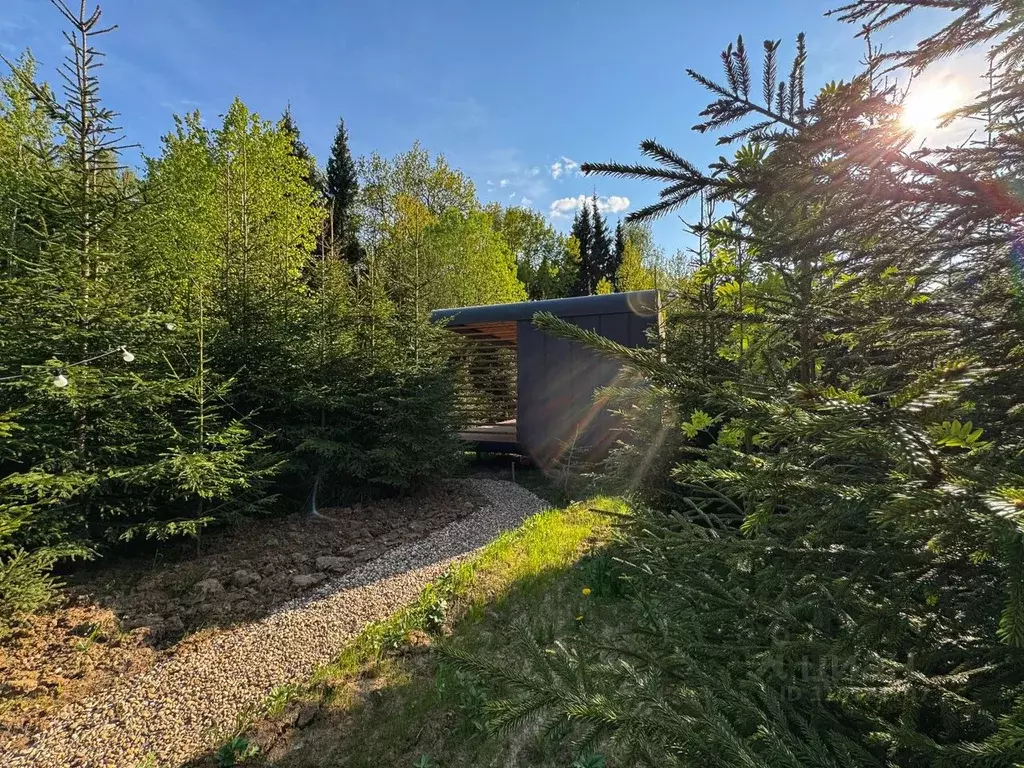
246 572
120 618
61 656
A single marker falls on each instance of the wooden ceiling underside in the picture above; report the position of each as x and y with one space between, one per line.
505 331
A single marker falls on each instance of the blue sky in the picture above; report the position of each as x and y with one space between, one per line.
505 90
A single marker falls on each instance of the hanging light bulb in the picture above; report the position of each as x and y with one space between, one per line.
126 355
60 381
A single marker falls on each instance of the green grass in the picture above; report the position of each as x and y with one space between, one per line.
392 700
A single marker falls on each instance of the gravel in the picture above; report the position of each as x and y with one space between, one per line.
175 711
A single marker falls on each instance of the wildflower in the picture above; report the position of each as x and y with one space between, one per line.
586 591
580 617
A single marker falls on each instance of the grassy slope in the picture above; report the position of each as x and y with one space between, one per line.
391 700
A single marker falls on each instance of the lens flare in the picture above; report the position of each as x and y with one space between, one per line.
928 102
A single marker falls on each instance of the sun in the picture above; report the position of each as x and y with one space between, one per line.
927 103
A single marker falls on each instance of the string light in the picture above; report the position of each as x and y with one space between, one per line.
60 380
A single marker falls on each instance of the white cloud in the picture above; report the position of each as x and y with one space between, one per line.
512 196
565 205
525 202
506 171
614 204
565 166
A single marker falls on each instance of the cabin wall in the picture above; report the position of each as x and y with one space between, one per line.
557 380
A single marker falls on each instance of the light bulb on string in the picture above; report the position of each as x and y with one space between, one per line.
126 355
60 381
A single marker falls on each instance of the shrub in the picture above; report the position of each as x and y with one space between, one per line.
25 585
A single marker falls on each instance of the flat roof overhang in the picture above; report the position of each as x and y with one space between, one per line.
494 315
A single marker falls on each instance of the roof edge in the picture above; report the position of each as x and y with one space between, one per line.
635 302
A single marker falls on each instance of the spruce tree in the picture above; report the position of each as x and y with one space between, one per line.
83 363
342 190
166 341
27 138
619 252
583 233
212 467
80 280
827 568
602 257
313 177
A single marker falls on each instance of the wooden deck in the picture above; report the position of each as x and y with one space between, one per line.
503 432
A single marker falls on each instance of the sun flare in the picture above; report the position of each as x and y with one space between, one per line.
927 103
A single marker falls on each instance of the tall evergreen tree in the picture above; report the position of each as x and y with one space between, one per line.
76 297
314 177
27 159
88 463
583 232
342 189
620 251
602 257
234 223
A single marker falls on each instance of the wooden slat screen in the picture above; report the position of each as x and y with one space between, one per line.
485 361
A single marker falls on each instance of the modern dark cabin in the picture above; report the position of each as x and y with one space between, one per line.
524 391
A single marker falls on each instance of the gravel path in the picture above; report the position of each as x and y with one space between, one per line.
173 710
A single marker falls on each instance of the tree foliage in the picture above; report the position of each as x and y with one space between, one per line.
341 186
544 264
224 332
825 565
599 251
583 234
638 260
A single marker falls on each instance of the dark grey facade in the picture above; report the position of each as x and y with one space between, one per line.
556 411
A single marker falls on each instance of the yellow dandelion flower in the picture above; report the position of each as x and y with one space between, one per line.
586 591
580 617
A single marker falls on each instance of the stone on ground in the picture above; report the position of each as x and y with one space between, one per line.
174 711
